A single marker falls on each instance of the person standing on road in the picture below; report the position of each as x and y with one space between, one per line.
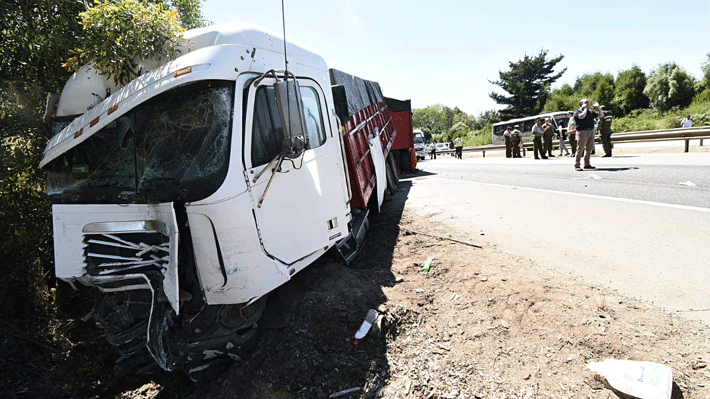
516 141
537 140
508 142
432 150
458 145
572 133
563 136
584 119
547 132
605 133
687 122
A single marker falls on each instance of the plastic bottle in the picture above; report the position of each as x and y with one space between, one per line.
644 380
370 319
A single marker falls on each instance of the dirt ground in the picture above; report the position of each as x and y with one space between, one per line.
479 324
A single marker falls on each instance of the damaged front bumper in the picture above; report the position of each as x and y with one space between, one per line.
119 247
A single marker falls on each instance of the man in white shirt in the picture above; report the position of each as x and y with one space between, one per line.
687 122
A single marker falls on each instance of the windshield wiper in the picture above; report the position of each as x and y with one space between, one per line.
276 162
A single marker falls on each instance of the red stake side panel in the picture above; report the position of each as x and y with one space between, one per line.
360 126
404 140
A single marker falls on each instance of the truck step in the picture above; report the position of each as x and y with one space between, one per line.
348 247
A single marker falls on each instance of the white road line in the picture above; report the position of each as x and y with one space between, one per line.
633 201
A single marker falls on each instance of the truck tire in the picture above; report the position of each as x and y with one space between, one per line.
401 158
392 176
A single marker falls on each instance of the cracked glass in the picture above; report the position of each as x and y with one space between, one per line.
174 147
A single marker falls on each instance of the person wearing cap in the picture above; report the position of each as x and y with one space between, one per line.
508 143
584 118
572 133
537 140
516 141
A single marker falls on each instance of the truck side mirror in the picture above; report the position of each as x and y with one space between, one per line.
288 96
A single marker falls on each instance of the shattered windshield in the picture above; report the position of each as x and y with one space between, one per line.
174 147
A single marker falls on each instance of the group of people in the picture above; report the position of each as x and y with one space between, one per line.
456 145
581 128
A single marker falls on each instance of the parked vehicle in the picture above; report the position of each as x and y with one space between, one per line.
191 193
420 144
525 125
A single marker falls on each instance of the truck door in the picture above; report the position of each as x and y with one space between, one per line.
301 207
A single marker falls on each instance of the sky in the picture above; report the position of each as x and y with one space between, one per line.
447 52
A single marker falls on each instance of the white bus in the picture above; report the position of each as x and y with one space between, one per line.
558 119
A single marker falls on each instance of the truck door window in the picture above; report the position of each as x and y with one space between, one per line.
267 131
314 120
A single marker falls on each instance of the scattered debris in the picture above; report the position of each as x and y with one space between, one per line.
640 379
427 266
687 183
345 392
440 237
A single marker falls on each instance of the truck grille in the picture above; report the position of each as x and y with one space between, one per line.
144 251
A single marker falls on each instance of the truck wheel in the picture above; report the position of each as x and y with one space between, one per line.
405 163
392 177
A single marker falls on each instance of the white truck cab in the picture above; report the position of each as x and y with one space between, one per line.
189 194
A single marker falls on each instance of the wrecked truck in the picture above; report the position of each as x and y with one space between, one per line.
188 195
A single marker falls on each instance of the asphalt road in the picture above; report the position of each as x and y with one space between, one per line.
638 225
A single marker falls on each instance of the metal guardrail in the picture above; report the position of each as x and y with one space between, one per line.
686 133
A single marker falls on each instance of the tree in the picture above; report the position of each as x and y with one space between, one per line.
670 86
628 93
704 84
527 82
434 119
190 13
36 37
118 33
596 87
562 99
487 118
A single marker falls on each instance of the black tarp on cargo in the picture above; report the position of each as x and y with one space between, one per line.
360 93
399 105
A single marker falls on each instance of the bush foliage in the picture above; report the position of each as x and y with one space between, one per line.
37 37
118 33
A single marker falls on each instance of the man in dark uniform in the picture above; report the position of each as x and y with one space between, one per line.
539 151
508 144
572 132
605 132
515 139
547 133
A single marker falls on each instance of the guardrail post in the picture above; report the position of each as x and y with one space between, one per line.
701 142
687 145
484 154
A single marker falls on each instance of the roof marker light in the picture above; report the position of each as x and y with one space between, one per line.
78 133
94 122
183 71
112 109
